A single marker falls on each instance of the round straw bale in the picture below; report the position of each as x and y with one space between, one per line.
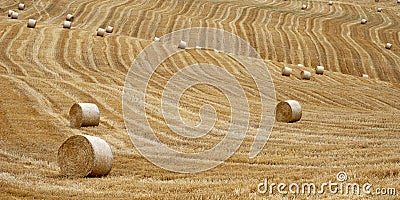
288 111
31 23
379 9
365 76
14 15
70 17
305 75
10 12
388 46
84 155
182 44
157 39
101 32
67 24
363 21
109 29
330 3
286 71
319 70
303 7
84 114
21 6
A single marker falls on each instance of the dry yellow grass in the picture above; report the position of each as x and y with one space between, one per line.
348 124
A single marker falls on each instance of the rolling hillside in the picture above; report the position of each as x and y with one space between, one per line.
349 123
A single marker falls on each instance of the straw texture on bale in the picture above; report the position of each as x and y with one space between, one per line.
84 155
288 111
388 46
109 29
70 17
306 75
101 32
303 7
379 9
14 15
10 12
182 44
21 6
363 21
286 71
67 24
84 114
319 70
31 23
157 39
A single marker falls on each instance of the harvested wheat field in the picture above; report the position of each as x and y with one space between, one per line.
348 124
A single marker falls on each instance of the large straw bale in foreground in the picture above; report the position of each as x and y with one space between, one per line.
288 111
84 155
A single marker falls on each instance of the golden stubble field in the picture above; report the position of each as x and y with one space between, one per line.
349 123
